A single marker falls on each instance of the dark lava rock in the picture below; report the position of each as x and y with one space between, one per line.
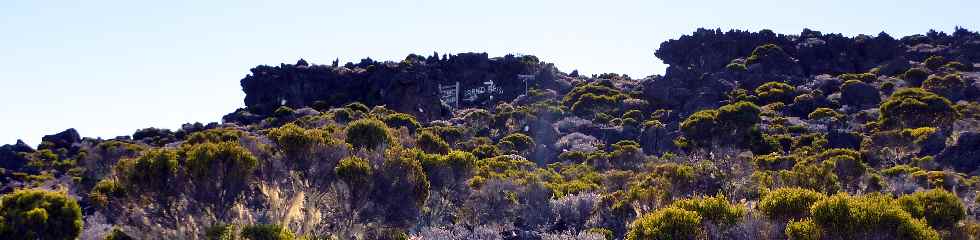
859 94
837 138
964 155
64 139
656 139
10 155
410 86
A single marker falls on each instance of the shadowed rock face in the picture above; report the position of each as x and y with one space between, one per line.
697 76
409 86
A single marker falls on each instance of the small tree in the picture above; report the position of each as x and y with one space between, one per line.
39 214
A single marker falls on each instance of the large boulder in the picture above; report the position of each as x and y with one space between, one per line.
11 155
859 94
964 155
64 139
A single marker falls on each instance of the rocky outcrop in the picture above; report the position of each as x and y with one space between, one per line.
411 86
962 155
65 139
705 65
11 155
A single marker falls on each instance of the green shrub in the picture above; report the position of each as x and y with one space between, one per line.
519 141
486 151
368 133
771 92
354 171
863 77
104 190
736 67
666 224
283 111
215 136
739 115
934 62
785 203
589 105
358 107
859 217
39 214
401 187
802 230
294 139
701 125
825 113
399 120
220 170
774 161
915 76
267 232
714 209
942 209
153 171
766 51
915 107
950 86
432 143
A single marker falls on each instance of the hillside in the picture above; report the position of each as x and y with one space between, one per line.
748 135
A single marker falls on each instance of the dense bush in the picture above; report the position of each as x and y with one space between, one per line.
215 136
825 113
767 51
400 187
934 62
771 92
39 214
368 133
398 120
739 115
432 143
154 171
519 141
732 121
294 139
701 125
915 76
860 217
863 77
666 224
717 209
804 229
915 107
220 170
358 107
783 203
104 190
356 173
950 86
942 209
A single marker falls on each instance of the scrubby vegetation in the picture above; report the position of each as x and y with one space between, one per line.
771 141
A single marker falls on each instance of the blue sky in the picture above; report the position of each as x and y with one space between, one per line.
108 68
